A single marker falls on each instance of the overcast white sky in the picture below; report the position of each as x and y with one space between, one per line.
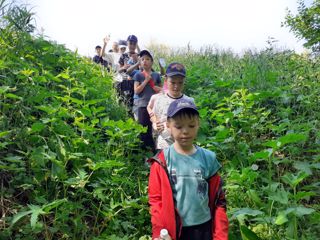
235 24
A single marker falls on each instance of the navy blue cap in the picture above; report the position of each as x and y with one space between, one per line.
132 38
180 104
146 52
98 46
175 69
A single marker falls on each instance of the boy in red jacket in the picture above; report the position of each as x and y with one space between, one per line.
185 191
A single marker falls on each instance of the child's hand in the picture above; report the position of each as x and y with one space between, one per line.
106 39
157 89
147 78
159 126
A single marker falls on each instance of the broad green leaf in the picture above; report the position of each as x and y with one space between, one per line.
94 101
63 75
37 127
86 112
12 96
303 166
35 212
27 72
304 195
47 109
47 208
294 180
253 195
248 234
57 169
281 219
292 138
265 154
280 196
301 211
272 143
242 213
14 159
19 215
2 134
76 100
108 164
4 89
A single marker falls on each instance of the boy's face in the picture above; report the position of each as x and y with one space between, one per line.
175 85
132 46
184 129
123 50
98 50
115 47
146 62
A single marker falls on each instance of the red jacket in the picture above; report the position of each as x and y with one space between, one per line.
162 209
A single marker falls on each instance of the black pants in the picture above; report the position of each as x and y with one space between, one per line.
144 120
197 232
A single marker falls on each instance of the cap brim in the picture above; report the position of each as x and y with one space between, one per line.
178 110
175 74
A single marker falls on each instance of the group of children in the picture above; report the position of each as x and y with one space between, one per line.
185 190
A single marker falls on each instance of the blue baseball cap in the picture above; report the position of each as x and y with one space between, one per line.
132 38
180 104
175 69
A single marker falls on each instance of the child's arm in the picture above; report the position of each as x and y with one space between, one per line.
133 67
105 43
138 87
150 107
217 203
158 88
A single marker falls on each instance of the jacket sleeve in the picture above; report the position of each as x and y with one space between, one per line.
155 199
220 219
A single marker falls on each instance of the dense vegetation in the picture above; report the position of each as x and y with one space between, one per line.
261 115
70 166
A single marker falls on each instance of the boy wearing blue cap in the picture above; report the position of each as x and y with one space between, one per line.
128 63
129 60
185 190
174 77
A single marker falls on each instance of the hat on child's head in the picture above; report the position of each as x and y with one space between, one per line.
132 38
122 44
98 46
146 52
180 104
175 69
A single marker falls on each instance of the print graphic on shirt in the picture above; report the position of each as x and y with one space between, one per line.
174 176
202 186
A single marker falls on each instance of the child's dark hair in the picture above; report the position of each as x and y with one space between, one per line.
186 112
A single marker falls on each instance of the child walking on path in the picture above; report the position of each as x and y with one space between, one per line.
146 83
158 106
185 190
